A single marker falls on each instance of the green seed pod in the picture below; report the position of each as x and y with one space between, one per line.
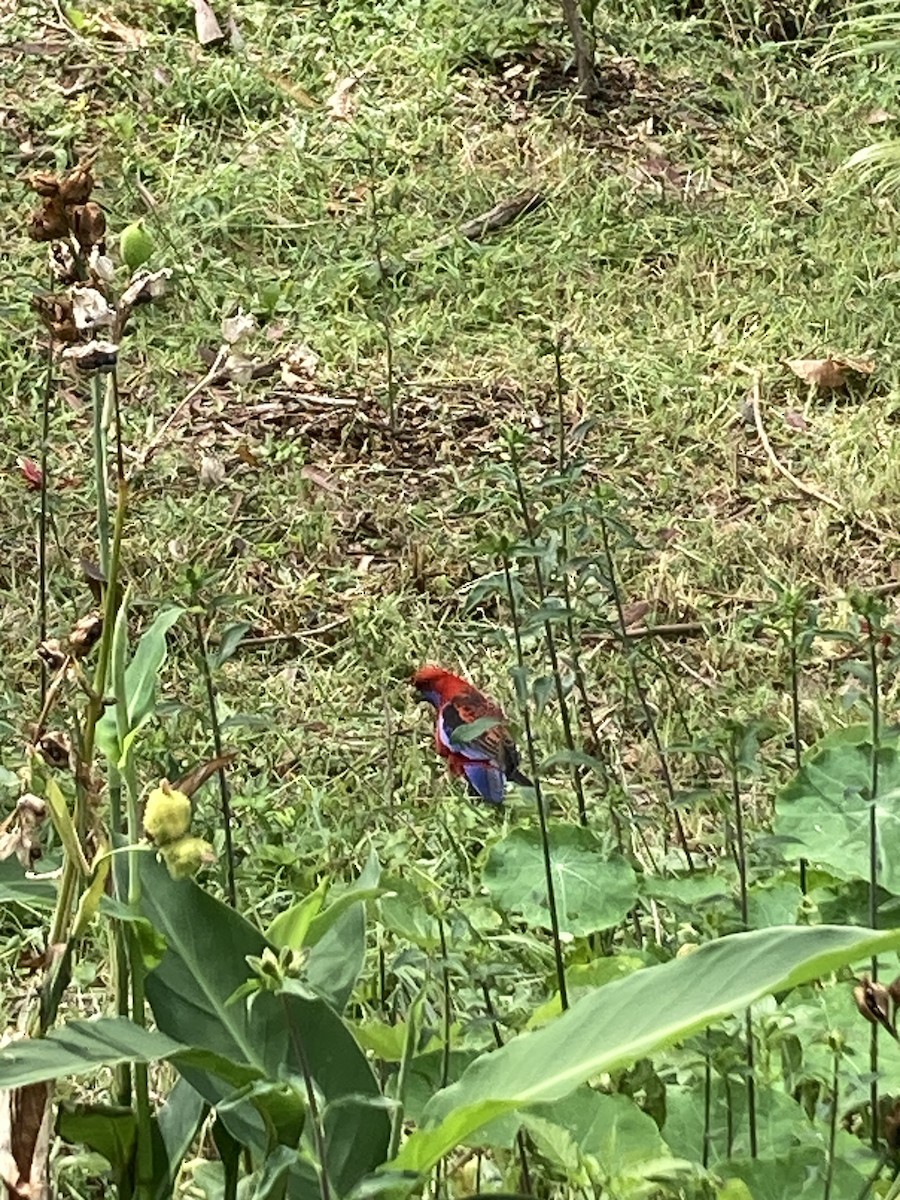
167 815
185 857
136 245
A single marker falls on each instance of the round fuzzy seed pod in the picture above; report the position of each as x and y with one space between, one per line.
185 857
167 815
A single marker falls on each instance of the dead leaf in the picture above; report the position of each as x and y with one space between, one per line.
209 31
212 471
246 455
235 329
632 614
198 775
298 366
135 39
879 116
340 102
25 1123
796 420
31 473
829 373
320 478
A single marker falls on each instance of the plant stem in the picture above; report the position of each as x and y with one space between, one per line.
520 1136
741 857
832 1125
542 816
44 516
98 434
224 791
318 1134
873 857
448 1011
549 636
642 695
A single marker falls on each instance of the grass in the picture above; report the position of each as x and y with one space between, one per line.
699 226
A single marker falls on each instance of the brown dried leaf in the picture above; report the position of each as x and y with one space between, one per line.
198 775
25 1123
320 478
209 31
340 102
879 116
829 373
796 420
135 39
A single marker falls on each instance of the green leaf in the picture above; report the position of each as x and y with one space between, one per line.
232 636
629 1019
107 1130
798 1174
337 958
79 1047
290 927
610 1134
472 730
593 891
204 964
16 889
141 678
825 808
177 1124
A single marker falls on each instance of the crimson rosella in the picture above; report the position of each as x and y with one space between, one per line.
488 759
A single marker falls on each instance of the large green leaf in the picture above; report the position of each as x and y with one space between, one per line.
82 1046
629 1019
593 890
141 678
609 1135
824 810
15 888
339 950
205 963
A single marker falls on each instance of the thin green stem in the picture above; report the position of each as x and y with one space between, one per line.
873 858
542 816
318 1134
642 696
448 1007
832 1124
99 447
549 636
520 1136
224 791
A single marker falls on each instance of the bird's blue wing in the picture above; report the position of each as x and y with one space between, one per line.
487 780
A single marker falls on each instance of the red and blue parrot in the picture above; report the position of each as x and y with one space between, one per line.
488 759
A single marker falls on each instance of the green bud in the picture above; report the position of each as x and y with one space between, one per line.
185 857
167 814
136 245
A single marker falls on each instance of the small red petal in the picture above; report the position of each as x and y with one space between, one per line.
31 473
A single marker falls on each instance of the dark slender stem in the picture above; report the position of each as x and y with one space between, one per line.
751 1082
549 636
44 517
832 1124
542 816
707 1103
642 697
448 1009
224 791
873 857
318 1134
520 1136
795 719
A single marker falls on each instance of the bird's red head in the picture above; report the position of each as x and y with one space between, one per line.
434 684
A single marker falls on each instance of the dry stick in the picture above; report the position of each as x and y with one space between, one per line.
806 489
42 523
153 445
224 791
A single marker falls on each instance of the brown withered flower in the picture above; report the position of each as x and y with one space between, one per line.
55 748
88 223
51 654
75 186
50 222
93 356
892 1127
57 313
19 832
85 634
873 1001
62 195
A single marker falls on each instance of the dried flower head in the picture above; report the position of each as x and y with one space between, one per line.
93 356
873 1001
51 654
55 748
144 287
19 832
85 634
90 309
88 222
57 313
